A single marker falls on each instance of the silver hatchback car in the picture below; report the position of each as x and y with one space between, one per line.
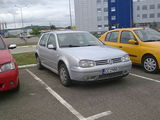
79 56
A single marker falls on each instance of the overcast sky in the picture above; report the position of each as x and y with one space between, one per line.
36 12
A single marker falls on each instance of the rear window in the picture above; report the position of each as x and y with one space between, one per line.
2 46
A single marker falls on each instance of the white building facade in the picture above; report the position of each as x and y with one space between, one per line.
92 15
147 12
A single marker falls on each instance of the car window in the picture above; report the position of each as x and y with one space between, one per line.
2 46
43 40
77 40
147 35
112 36
126 36
52 40
108 36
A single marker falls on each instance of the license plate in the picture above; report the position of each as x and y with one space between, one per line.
110 70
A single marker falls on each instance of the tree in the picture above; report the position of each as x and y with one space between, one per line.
53 27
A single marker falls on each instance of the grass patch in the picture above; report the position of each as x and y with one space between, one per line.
25 58
27 44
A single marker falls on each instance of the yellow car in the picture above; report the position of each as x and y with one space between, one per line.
142 44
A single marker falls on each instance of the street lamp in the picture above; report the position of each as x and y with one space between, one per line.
21 10
70 13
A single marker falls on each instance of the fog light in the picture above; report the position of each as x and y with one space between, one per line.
11 83
125 72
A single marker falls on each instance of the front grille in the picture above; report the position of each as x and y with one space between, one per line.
107 61
111 75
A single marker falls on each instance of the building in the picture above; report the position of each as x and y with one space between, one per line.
147 13
92 15
120 13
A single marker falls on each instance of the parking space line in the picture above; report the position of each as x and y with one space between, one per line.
65 103
150 79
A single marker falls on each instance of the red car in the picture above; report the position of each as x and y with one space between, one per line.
8 68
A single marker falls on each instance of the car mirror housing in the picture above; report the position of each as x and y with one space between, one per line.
51 46
12 46
133 42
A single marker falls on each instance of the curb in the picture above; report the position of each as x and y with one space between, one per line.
27 66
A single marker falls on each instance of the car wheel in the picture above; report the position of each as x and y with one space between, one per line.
64 75
39 65
150 64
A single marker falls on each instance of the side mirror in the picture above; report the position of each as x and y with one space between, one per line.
50 46
133 42
12 46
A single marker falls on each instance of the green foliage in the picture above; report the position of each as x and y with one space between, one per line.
36 30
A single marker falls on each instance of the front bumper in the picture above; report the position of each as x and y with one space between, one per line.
95 73
8 80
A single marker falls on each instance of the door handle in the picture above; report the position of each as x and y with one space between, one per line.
120 47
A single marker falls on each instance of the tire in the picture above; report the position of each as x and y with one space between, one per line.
39 65
150 64
64 75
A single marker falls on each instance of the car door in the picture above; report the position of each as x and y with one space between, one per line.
132 49
112 39
42 48
52 55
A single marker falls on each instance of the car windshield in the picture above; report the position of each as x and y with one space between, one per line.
2 46
148 35
77 40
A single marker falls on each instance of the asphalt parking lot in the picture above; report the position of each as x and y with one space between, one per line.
42 97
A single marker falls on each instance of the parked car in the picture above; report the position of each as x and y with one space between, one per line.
8 68
79 56
142 44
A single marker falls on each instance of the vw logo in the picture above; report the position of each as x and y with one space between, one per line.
110 61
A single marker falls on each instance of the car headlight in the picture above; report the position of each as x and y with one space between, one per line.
125 58
7 66
87 63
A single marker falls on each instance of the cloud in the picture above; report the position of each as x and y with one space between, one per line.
36 12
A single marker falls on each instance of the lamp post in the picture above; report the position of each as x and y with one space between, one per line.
70 12
21 10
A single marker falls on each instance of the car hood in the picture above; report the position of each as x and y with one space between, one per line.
94 52
152 44
5 56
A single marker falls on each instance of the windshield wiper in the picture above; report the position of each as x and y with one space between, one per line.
90 45
70 46
151 40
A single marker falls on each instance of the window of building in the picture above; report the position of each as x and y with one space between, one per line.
113 1
99 18
138 7
99 26
113 9
113 18
138 15
98 1
105 18
105 1
99 9
152 6
144 7
152 15
158 15
106 26
158 6
105 9
144 16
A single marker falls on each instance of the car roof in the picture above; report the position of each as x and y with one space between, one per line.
140 28
67 31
